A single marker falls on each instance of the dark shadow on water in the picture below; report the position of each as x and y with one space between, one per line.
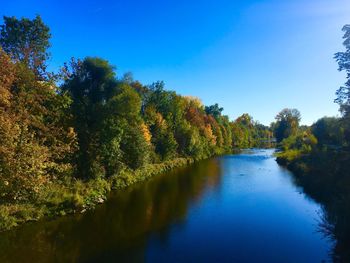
119 229
328 183
217 210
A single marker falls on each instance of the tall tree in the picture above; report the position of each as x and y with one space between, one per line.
107 119
343 93
287 123
35 141
27 41
328 131
90 83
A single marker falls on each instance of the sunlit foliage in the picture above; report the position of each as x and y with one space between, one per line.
67 138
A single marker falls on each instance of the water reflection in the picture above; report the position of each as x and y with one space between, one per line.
119 229
335 222
236 208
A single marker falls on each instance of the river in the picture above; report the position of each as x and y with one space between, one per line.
233 208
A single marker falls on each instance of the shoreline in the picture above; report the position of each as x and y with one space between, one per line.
76 196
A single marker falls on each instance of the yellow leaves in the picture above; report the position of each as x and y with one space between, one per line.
146 133
23 163
160 121
152 117
4 97
194 101
32 144
71 132
150 114
208 133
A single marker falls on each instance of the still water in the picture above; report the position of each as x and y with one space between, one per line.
235 208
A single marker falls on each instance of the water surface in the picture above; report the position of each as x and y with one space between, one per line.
235 208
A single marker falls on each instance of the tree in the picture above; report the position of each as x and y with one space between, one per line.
162 136
27 41
248 133
91 83
107 118
343 59
214 110
343 93
123 111
36 144
328 131
300 143
287 123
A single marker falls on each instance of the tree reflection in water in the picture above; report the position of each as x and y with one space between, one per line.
335 226
118 229
328 183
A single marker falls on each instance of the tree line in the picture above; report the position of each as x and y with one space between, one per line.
327 133
86 123
319 156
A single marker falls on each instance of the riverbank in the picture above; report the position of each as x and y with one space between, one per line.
77 196
173 217
324 175
324 168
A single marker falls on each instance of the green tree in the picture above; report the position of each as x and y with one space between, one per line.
90 83
123 111
329 131
343 93
214 110
27 41
163 138
299 143
247 133
107 119
287 123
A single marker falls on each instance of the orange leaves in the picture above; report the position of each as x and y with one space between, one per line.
195 117
208 133
33 143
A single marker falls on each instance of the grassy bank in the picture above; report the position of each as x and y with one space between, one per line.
76 196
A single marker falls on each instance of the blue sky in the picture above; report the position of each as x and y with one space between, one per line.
249 56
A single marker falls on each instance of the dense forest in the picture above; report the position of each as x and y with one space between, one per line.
319 156
68 137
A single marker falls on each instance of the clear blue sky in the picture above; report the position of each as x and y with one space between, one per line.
249 56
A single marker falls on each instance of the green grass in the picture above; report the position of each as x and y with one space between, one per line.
289 155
